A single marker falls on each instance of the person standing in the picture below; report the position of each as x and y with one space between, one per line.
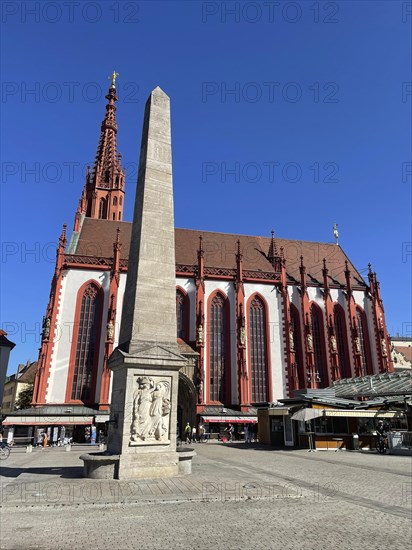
188 433
45 440
246 433
194 438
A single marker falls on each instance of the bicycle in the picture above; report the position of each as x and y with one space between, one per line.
4 451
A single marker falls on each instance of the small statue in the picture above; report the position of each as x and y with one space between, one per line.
113 78
200 334
110 330
309 339
357 344
46 328
384 348
333 344
335 232
242 336
291 341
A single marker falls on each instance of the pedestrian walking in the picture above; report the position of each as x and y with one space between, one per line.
246 433
188 433
45 440
194 438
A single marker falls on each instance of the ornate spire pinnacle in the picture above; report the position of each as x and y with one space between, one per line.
273 253
104 186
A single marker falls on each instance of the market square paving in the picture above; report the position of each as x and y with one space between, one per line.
239 496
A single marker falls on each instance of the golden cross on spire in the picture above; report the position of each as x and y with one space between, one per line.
113 77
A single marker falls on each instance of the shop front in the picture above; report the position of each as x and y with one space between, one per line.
61 425
216 426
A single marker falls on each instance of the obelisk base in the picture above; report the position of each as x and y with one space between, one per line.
143 412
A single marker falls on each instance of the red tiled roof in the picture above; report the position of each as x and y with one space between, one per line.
406 351
97 238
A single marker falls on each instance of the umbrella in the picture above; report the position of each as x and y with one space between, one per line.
307 414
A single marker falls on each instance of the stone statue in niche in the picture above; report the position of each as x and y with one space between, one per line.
200 334
291 341
242 336
333 344
46 328
110 330
151 408
357 344
384 348
309 339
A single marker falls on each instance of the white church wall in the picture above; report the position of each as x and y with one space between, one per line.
59 368
189 286
225 288
276 347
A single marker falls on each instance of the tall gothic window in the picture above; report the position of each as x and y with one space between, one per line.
87 351
318 344
341 341
217 348
102 209
258 350
181 314
363 339
114 201
295 328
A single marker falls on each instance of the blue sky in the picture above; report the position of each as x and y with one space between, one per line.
285 115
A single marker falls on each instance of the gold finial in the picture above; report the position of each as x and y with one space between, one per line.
336 233
113 79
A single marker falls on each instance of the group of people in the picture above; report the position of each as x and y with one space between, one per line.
193 435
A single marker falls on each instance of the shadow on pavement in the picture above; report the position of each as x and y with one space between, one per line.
70 472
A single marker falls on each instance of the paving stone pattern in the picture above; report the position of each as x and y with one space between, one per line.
238 497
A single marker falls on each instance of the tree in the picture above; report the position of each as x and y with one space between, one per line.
25 398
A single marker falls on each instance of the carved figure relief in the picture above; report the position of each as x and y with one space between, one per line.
309 339
333 344
151 409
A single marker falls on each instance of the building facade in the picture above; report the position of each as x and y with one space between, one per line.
258 317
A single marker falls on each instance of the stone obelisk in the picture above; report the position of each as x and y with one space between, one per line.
145 365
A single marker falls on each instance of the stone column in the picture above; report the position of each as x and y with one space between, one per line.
146 363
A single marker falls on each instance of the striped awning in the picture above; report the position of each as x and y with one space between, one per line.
231 419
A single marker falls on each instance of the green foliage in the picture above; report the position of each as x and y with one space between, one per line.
25 397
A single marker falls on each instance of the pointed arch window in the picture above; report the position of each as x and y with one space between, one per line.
341 341
362 327
87 345
318 344
258 350
121 200
182 314
297 344
217 348
102 209
114 201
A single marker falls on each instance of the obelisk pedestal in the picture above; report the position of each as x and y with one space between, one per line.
146 363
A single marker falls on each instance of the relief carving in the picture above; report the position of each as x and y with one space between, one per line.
151 409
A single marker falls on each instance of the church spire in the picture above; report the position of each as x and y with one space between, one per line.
103 194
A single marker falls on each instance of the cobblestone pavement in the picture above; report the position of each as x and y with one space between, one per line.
238 496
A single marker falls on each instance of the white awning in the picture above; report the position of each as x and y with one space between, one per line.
304 415
363 413
52 420
231 419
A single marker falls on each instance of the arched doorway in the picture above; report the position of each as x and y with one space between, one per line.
186 403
